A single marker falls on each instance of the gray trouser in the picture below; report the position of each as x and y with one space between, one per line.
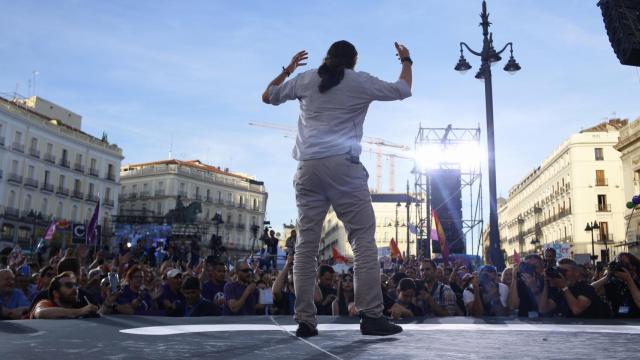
342 183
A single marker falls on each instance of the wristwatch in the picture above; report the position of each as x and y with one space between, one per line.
406 58
565 288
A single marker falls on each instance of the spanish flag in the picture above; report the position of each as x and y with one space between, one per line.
395 251
444 249
337 257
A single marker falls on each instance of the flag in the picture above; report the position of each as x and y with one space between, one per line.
444 249
516 257
48 235
92 230
63 224
395 251
337 257
413 229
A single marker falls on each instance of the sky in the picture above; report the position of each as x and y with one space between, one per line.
188 75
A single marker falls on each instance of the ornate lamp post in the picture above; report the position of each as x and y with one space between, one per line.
489 56
591 227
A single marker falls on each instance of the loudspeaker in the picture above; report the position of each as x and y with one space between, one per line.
446 200
622 21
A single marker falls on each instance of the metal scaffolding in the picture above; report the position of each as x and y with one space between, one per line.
471 184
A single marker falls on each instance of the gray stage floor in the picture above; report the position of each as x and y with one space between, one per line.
260 337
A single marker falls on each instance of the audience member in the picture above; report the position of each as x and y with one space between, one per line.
62 301
436 298
486 296
241 296
12 300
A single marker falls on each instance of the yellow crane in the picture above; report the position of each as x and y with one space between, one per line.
378 142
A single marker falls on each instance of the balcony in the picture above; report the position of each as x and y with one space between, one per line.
219 201
198 197
603 208
29 182
17 147
77 194
229 225
123 197
133 195
160 192
605 239
65 163
111 177
94 172
241 226
92 198
78 167
108 202
182 194
63 191
11 212
14 178
49 158
34 152
242 206
230 203
208 199
145 194
47 188
602 182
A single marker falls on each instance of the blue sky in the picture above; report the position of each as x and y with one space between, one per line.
147 72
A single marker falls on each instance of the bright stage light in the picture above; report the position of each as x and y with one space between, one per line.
433 156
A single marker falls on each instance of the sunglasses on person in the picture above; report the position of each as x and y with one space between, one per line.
246 270
69 285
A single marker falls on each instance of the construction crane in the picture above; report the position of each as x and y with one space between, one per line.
378 142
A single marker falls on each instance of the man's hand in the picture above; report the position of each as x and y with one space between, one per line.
558 283
88 309
297 61
402 51
624 275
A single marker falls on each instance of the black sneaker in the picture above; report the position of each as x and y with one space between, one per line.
379 326
306 330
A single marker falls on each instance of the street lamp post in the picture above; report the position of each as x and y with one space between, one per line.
591 227
489 56
217 221
397 223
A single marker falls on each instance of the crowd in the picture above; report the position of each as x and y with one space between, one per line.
91 282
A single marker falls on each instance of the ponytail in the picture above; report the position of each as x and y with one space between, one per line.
341 55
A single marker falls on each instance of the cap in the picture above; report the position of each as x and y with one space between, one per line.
95 273
173 273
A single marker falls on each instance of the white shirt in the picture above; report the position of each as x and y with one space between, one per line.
503 290
331 123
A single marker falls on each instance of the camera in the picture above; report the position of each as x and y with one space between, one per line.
526 268
114 282
616 266
553 272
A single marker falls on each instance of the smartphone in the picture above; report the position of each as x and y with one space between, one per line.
266 297
114 282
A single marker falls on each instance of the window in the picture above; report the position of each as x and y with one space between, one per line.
14 166
44 207
49 148
27 202
93 163
12 199
600 179
61 181
91 188
110 171
77 185
159 209
599 154
604 231
30 171
107 193
34 143
59 210
74 213
79 159
145 187
47 177
602 203
17 137
65 154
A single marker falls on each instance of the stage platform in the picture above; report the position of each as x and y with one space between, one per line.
265 337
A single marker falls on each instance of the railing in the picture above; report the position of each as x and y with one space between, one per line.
61 190
229 225
50 158
17 147
15 178
94 172
198 197
123 197
108 202
556 217
65 163
603 208
605 239
111 177
47 187
92 198
133 195
242 206
160 192
219 201
78 167
34 152
12 212
241 226
31 183
77 194
602 182
145 194
230 203
182 194
208 199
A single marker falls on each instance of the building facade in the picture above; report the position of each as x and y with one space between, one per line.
241 201
390 210
579 183
629 147
51 170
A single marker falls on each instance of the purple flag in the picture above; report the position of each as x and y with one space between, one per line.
92 229
48 235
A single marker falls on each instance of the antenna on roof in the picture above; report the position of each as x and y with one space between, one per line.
171 148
